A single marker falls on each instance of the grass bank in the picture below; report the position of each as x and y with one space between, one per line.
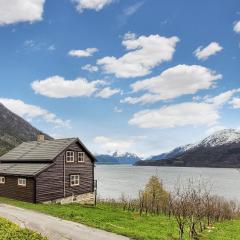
114 219
10 231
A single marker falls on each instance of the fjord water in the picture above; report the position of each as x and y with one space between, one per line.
114 180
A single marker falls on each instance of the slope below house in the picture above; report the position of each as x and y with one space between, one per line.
15 130
221 149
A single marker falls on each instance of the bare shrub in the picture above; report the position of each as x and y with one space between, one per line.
191 204
194 206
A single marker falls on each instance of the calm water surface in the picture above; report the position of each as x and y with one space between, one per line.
113 180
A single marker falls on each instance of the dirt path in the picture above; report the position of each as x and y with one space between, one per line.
54 228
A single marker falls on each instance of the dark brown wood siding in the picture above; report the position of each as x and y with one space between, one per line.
84 169
10 189
50 183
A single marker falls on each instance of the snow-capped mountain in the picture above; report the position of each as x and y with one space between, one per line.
174 153
118 158
222 137
221 149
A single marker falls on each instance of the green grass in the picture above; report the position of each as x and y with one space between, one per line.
228 230
114 219
10 231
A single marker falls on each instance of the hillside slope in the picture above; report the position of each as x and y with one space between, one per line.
14 130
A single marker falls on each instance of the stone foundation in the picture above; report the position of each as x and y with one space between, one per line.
86 198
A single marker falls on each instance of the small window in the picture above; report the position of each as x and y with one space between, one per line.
74 180
69 156
2 180
81 156
22 182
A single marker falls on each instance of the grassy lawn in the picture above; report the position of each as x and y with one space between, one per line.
10 231
228 230
130 224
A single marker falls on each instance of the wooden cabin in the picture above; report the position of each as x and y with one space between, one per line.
59 170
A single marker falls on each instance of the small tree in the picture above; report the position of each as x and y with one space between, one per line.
155 196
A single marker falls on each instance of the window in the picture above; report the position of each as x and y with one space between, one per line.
2 180
74 180
69 156
22 182
81 156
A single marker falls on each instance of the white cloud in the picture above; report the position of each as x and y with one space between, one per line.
31 45
174 82
236 27
222 98
14 11
145 53
235 102
112 144
117 110
214 129
204 53
133 8
96 5
30 112
129 12
184 114
52 47
90 68
83 53
107 92
178 115
58 87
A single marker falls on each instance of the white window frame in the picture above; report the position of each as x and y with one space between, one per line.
22 182
2 180
74 180
81 156
71 157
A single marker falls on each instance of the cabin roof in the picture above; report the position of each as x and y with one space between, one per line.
22 169
37 151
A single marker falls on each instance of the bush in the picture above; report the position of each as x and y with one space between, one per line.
10 231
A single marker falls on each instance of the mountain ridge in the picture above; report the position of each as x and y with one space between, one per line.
15 130
221 149
117 158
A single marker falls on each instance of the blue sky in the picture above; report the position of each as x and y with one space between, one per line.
138 76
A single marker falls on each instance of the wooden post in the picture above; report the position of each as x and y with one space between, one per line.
95 192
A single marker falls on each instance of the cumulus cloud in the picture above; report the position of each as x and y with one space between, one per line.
14 11
58 87
183 114
82 53
96 5
222 98
90 68
235 102
107 92
236 27
178 115
112 144
145 53
173 82
204 53
30 112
